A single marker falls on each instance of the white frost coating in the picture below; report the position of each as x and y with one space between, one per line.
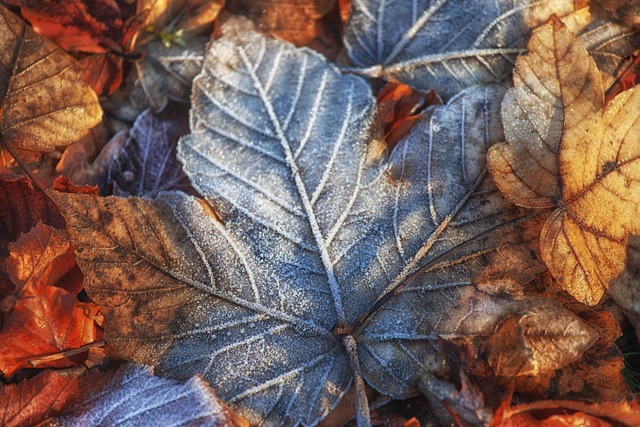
259 293
135 397
453 44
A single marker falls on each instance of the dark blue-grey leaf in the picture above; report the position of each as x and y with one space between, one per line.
147 163
314 231
448 45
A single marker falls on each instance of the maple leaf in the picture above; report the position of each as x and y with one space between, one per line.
45 319
147 163
564 150
448 45
128 396
43 101
305 280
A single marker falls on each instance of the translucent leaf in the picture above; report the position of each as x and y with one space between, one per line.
314 233
43 101
447 45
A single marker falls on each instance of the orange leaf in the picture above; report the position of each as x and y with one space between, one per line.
103 72
398 106
22 207
292 20
570 413
80 25
45 320
565 151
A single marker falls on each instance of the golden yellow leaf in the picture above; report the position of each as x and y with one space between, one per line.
43 101
563 150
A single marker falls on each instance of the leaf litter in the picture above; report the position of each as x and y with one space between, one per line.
345 267
318 228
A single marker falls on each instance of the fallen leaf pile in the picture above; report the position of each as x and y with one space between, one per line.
277 220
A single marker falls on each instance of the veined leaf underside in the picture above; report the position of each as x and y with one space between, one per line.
316 226
415 43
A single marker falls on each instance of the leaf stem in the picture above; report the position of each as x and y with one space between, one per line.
363 416
4 144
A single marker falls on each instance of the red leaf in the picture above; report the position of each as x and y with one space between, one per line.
80 25
103 72
46 321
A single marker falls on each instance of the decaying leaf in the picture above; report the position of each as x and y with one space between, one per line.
43 101
625 11
129 396
447 45
167 72
563 150
292 20
147 164
320 239
45 319
528 344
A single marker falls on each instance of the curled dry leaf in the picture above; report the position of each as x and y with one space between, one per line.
128 396
43 101
293 20
563 150
320 233
570 413
147 164
528 344
167 72
447 45
45 319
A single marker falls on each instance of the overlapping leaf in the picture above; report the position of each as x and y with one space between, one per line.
147 163
448 45
563 150
129 396
45 319
43 101
318 231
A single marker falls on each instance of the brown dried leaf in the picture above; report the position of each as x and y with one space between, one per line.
22 207
564 151
624 11
528 344
292 20
43 101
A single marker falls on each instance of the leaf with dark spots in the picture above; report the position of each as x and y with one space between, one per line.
43 101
